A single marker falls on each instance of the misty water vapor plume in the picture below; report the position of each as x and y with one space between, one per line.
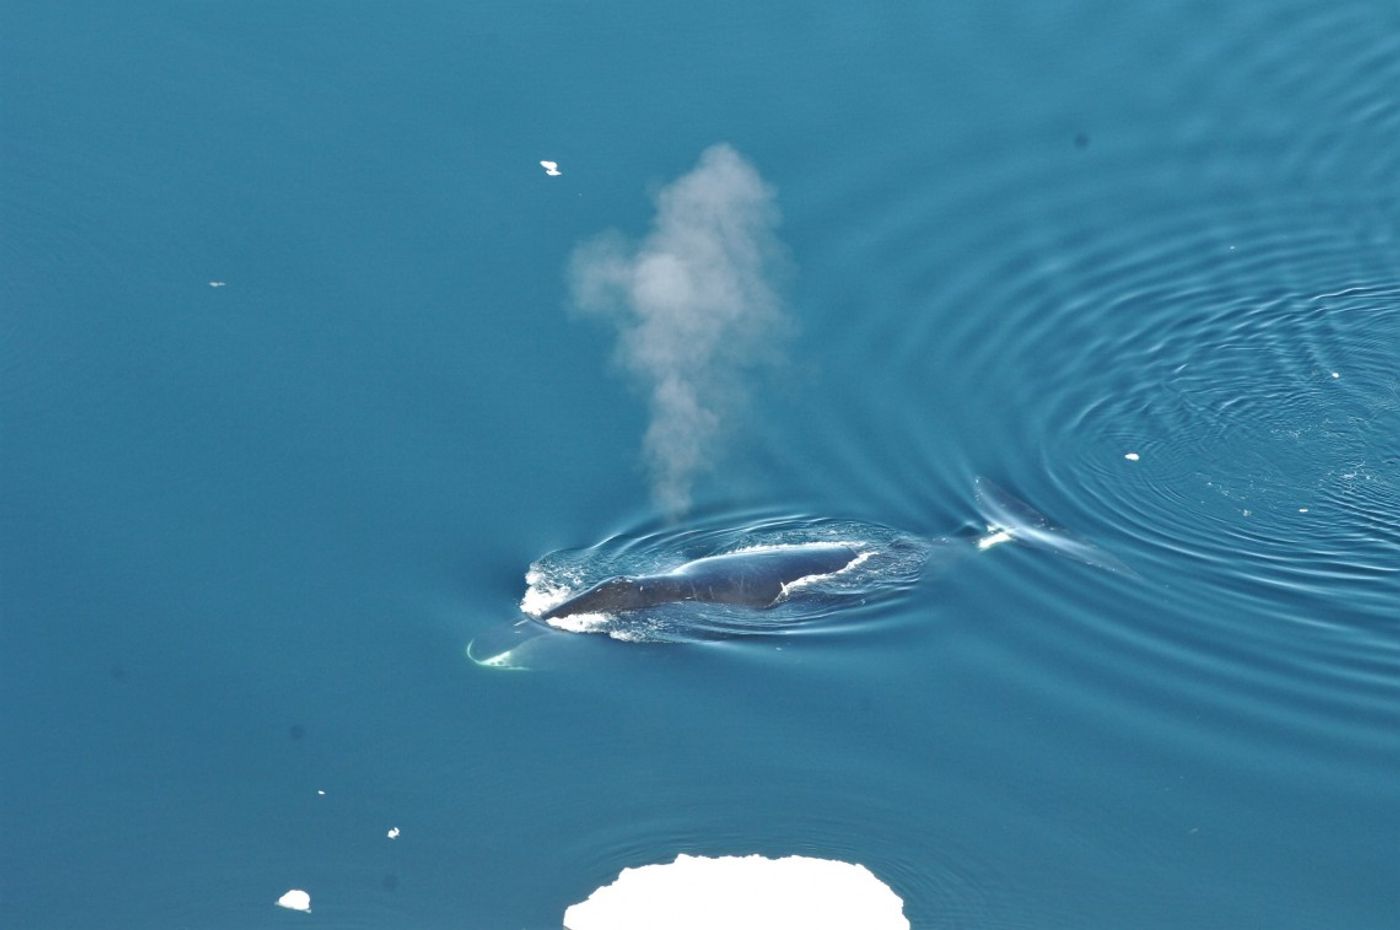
696 309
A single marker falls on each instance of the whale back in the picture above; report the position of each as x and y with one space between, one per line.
787 563
758 577
750 577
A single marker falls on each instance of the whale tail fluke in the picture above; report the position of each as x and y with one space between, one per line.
1010 519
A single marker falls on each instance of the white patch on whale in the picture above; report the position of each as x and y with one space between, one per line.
863 555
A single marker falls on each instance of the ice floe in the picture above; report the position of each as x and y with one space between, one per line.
295 900
742 893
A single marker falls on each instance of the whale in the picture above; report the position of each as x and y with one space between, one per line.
759 577
762 577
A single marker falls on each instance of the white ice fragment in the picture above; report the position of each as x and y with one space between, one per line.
1302 510
296 900
218 284
1336 374
551 168
321 792
1132 456
393 833
742 893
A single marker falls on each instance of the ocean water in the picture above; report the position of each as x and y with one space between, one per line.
249 530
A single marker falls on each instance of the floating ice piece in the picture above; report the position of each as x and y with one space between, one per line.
551 168
1132 456
1302 510
393 833
296 900
1336 374
742 893
218 284
321 791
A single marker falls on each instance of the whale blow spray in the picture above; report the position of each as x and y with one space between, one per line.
696 309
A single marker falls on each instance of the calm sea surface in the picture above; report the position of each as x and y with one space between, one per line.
247 531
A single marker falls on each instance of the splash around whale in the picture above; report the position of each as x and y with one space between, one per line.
770 577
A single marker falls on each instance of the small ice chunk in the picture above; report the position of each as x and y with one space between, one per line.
1132 456
218 284
393 833
551 168
1302 510
296 900
321 792
1336 374
742 893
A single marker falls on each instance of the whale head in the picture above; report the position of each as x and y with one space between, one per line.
605 597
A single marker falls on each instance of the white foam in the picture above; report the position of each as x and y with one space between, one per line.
742 893
995 537
580 623
218 284
540 595
551 168
628 636
296 900
799 583
861 558
779 547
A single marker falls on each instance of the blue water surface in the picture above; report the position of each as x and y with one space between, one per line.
248 530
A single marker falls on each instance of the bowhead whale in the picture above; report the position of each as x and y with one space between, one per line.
764 576
751 578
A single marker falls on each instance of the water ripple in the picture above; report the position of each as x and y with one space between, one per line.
1180 336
